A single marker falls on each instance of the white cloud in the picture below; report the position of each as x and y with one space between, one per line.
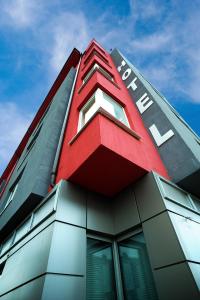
20 13
153 42
168 54
13 125
146 9
68 30
55 33
161 75
192 87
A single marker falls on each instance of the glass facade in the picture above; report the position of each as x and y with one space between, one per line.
136 274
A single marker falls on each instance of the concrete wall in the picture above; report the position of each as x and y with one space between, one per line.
48 259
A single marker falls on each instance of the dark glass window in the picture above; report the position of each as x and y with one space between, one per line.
13 189
2 265
100 271
2 185
137 276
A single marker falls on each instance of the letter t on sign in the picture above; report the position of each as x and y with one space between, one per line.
132 84
160 139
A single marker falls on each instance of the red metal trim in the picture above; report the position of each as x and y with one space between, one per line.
94 43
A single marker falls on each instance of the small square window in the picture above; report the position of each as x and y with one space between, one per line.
12 191
101 100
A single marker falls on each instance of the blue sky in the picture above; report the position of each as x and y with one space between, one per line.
161 38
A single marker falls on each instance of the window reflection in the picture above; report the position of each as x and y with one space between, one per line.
101 100
100 271
136 271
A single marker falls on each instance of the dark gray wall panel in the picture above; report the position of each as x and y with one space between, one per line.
71 204
176 282
68 250
162 242
63 287
181 158
39 162
125 211
148 197
100 213
30 291
28 262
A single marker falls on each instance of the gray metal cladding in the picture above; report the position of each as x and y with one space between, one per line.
175 141
51 256
37 158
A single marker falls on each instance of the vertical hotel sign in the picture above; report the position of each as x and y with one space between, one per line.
143 101
167 139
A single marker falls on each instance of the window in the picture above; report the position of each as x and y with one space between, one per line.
33 140
100 271
22 230
30 146
6 244
2 265
11 194
12 191
100 69
136 270
101 100
119 267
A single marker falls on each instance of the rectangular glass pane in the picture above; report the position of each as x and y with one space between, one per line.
6 244
115 109
196 202
176 194
108 106
22 230
43 211
137 275
106 74
90 111
100 271
89 74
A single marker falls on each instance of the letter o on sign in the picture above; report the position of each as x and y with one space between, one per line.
126 74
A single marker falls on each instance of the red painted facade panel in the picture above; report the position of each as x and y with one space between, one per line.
103 156
106 172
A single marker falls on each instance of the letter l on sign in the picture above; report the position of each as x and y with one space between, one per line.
160 139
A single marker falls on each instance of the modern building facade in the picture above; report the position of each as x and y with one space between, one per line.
101 199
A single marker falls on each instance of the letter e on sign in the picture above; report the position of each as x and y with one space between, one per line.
143 103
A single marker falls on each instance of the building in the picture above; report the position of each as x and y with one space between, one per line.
101 198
